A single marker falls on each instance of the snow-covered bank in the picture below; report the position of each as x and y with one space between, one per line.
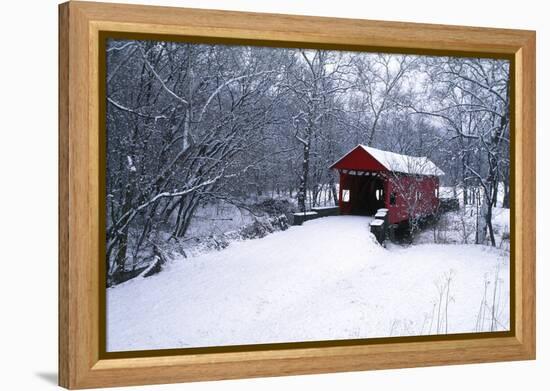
327 279
459 227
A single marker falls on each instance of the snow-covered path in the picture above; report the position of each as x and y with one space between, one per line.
324 280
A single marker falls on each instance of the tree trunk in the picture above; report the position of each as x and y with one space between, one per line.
489 223
186 209
302 190
315 191
334 192
506 182
481 221
495 193
122 235
492 203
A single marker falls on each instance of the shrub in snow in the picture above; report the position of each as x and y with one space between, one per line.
281 222
217 242
154 268
260 228
257 229
274 208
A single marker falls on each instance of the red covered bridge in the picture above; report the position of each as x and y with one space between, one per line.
371 179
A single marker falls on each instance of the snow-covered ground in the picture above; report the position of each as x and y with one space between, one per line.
325 280
459 227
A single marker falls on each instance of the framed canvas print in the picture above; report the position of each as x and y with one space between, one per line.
249 195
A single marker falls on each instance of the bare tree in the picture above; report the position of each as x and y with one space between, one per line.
381 77
316 81
474 104
196 114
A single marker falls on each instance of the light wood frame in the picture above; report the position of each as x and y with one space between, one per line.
80 361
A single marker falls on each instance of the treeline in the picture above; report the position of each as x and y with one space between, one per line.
190 124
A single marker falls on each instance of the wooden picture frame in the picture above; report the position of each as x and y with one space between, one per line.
81 362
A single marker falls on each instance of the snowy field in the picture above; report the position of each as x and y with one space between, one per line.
325 280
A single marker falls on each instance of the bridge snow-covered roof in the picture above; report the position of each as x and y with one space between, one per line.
396 162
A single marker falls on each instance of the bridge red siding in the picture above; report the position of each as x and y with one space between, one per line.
414 194
358 159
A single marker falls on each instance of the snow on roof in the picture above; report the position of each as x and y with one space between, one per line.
311 213
414 165
404 163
